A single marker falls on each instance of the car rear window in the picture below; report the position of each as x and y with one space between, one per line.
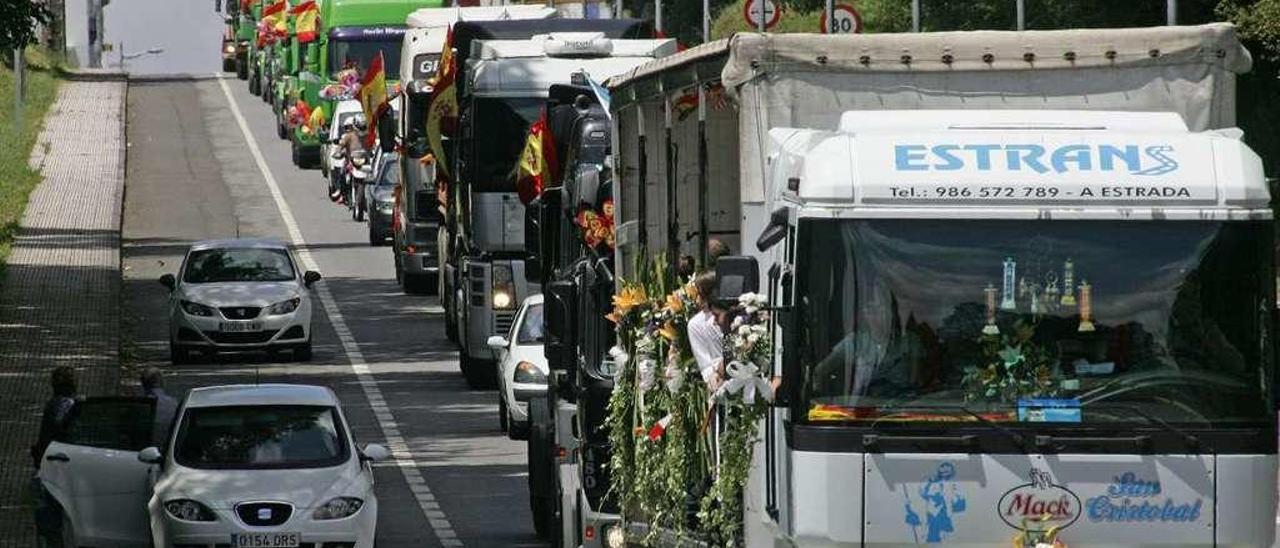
252 264
252 437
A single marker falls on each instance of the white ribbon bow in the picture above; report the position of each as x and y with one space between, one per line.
745 378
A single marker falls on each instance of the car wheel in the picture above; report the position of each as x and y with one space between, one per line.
67 537
302 353
504 420
178 355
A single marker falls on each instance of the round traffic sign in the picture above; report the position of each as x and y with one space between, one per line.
846 21
751 11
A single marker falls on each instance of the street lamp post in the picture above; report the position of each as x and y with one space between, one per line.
19 82
131 56
1171 12
915 15
1022 14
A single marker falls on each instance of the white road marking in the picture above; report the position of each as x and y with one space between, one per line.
390 431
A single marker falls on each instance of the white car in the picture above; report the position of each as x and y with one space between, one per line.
235 295
270 465
522 368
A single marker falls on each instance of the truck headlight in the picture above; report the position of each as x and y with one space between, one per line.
338 508
614 536
196 309
504 294
229 48
527 373
189 510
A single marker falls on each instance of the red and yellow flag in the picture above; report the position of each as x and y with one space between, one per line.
272 18
442 112
373 95
538 161
307 20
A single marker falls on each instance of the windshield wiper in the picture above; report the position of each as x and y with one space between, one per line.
1016 437
1018 440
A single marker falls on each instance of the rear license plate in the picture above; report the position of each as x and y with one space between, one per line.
265 540
240 327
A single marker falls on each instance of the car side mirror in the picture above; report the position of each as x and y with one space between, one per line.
150 455
736 276
498 342
374 453
310 278
169 281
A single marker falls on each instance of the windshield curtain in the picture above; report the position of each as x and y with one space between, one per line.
500 127
250 437
361 53
238 265
1036 321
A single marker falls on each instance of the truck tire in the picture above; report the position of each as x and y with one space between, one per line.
541 465
255 87
479 373
282 130
415 284
242 68
295 154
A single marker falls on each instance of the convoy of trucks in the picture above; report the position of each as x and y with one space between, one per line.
905 204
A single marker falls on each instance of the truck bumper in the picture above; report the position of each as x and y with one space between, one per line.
419 263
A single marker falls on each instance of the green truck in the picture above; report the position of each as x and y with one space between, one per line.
351 31
239 35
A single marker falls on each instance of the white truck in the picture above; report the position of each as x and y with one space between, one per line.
506 86
420 214
1019 281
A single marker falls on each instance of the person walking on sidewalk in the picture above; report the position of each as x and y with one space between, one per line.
48 514
166 407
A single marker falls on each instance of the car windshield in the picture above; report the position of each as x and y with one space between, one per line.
260 436
1036 321
501 127
531 327
361 53
238 265
390 171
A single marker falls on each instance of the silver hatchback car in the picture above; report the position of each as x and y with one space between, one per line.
236 295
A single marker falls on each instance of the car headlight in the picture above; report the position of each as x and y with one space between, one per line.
196 309
338 508
284 307
189 510
528 373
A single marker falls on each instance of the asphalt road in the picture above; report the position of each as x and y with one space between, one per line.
191 176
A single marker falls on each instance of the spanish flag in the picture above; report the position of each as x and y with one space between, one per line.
373 95
442 111
272 18
538 161
307 18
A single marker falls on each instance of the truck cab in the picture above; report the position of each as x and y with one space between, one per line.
414 244
506 87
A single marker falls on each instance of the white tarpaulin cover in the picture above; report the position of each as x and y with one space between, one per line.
808 81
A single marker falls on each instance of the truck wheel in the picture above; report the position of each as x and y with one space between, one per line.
517 430
541 508
282 130
255 87
541 464
479 373
295 153
242 68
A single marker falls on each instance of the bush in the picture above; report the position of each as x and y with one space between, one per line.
17 179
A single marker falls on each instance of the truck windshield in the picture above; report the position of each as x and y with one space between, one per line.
1036 321
500 128
361 53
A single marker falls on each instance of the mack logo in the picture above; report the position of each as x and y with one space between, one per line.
1152 160
1039 500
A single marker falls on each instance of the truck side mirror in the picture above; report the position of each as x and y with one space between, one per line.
775 231
735 276
387 132
559 347
588 183
548 233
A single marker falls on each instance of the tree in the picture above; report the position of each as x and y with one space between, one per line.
19 20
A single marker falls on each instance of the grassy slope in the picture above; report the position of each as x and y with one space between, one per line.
16 179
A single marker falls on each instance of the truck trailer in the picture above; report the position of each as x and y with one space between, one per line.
1021 283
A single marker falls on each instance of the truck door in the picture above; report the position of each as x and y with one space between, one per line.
92 470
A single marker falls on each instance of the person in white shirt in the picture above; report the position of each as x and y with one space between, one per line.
705 335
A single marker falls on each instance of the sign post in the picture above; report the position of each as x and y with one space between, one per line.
761 14
845 20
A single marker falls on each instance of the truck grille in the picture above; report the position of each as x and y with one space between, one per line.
424 202
502 322
423 236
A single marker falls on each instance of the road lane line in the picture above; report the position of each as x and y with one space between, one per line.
400 452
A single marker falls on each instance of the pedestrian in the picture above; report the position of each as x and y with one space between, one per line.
685 268
166 407
57 411
706 338
715 250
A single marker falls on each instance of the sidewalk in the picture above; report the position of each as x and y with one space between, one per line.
59 304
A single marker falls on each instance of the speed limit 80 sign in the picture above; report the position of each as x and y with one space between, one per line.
846 21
